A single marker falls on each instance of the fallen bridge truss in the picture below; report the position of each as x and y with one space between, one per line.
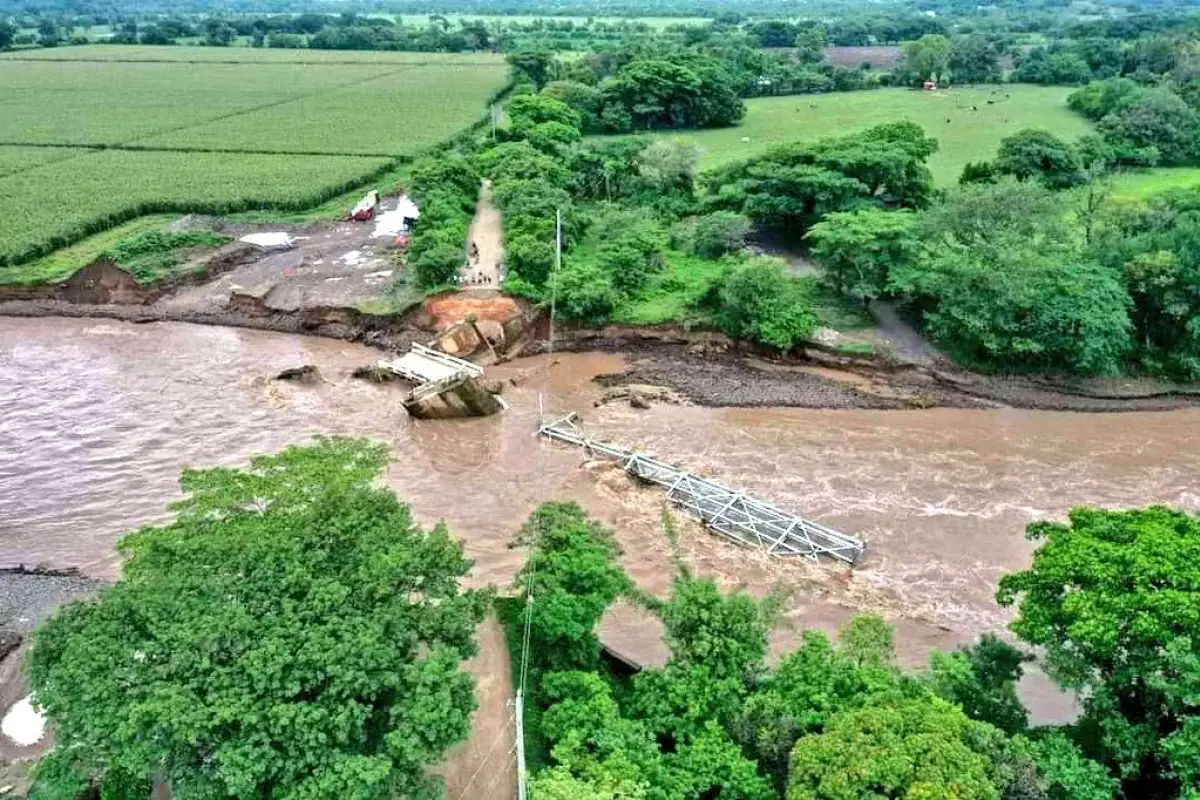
732 514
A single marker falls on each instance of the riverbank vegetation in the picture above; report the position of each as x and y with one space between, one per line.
292 633
843 720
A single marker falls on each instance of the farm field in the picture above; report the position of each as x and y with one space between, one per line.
245 55
82 195
255 130
963 133
16 159
398 113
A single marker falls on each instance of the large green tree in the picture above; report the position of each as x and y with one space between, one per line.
909 751
1112 598
572 576
1006 283
291 634
859 250
794 185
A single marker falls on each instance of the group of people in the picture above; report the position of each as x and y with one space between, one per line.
474 275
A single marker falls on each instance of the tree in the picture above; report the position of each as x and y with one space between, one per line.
1040 155
1025 305
572 573
585 293
7 32
292 633
1154 119
982 681
1052 65
758 302
811 684
974 59
585 100
860 249
534 66
774 33
668 167
1100 98
916 749
929 57
1007 283
792 186
1111 598
1157 250
720 233
632 247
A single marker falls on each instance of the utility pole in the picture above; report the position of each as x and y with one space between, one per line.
557 267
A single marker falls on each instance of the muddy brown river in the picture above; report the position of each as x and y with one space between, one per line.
97 418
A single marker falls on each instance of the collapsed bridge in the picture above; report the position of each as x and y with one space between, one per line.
732 514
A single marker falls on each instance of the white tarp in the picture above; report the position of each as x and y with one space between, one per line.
269 239
24 724
391 223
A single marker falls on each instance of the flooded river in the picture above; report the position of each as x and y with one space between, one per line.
97 418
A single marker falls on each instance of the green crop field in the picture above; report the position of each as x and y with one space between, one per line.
58 203
211 129
968 123
404 110
245 55
16 159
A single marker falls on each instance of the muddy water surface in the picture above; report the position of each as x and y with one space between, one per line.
97 418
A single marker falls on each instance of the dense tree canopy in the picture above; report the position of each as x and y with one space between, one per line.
291 634
919 749
1004 285
1111 597
795 185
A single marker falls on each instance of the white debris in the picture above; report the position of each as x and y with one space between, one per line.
351 259
387 273
827 336
24 724
269 239
392 222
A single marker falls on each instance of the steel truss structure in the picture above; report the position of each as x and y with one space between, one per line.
732 514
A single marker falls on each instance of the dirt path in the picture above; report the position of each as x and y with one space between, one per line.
485 764
485 245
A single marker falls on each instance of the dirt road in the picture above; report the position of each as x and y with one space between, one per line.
485 245
484 765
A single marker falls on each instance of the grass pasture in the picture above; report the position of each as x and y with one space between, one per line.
95 136
968 123
1146 183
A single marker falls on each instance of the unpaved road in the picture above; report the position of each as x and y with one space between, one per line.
482 271
484 766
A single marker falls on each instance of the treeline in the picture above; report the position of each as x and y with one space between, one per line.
1029 265
843 720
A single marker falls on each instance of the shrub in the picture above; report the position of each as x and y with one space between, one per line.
757 301
720 233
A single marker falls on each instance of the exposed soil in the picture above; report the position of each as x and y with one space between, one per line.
485 250
484 765
28 595
710 370
879 57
